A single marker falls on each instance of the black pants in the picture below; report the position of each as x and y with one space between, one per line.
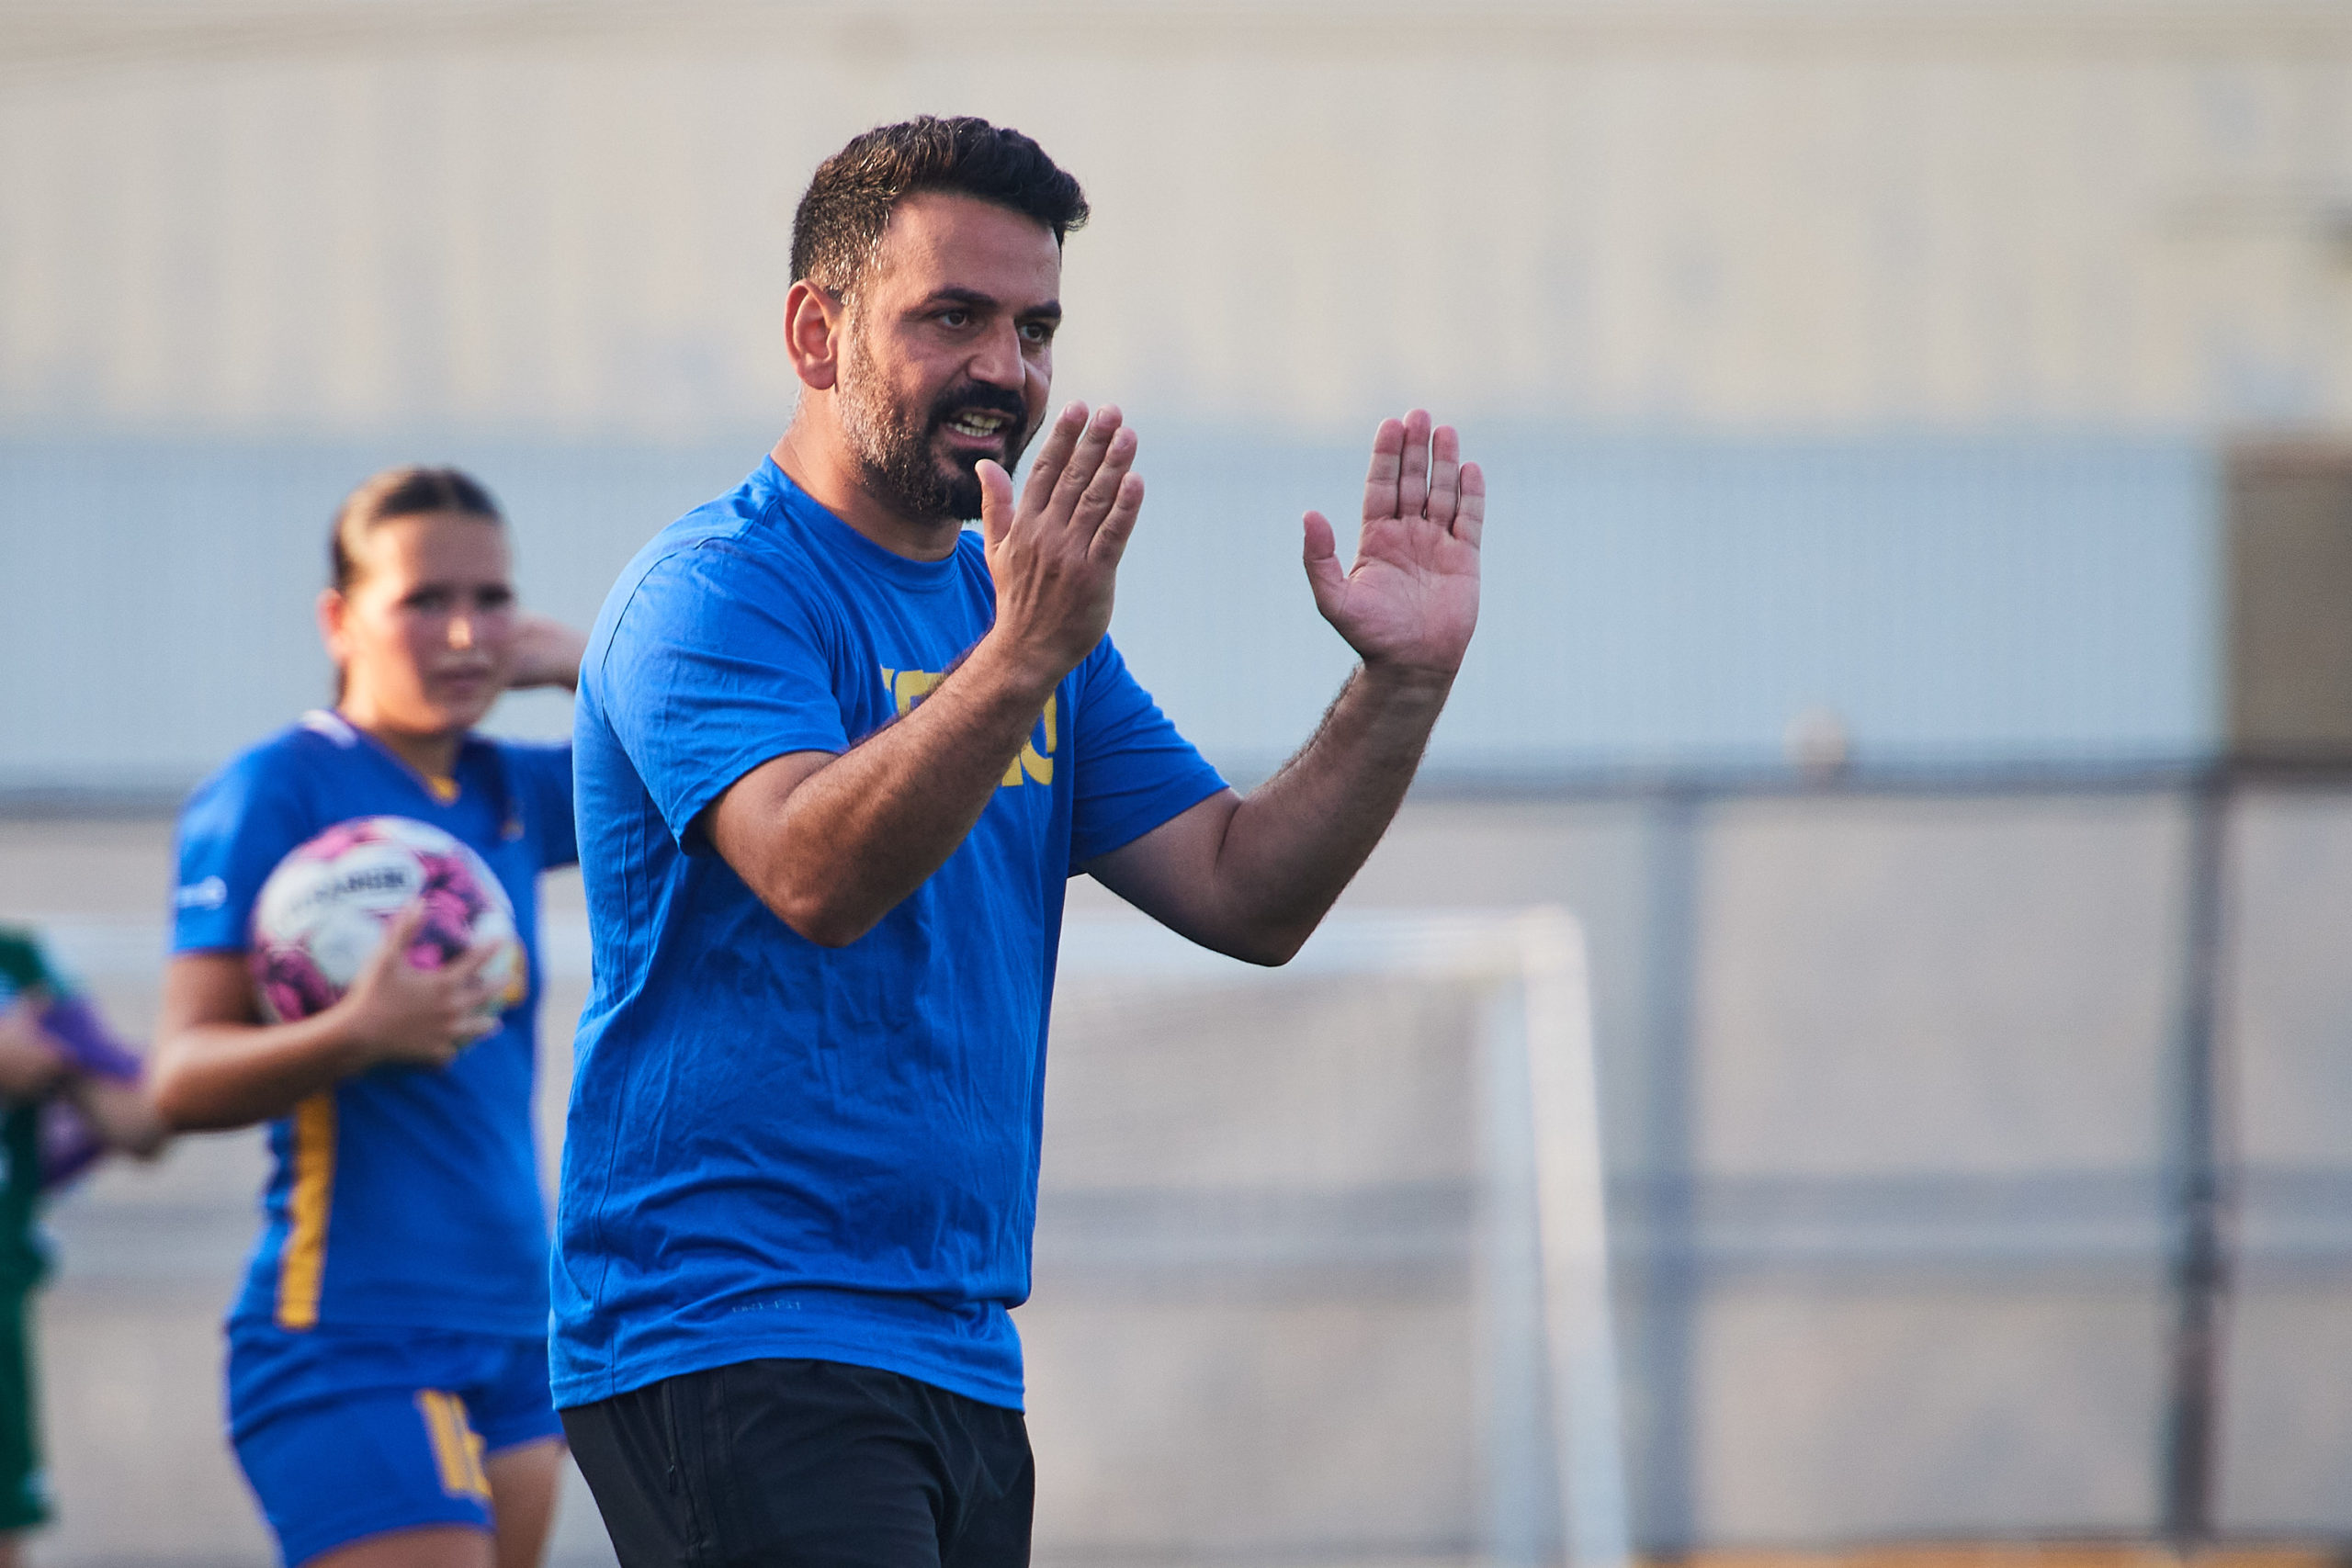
806 1464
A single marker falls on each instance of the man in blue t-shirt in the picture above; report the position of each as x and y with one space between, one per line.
836 759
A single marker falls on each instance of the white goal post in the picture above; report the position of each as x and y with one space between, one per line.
1535 1027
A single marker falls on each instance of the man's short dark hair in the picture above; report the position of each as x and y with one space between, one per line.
839 221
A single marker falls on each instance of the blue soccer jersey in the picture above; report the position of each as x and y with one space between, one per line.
776 1148
403 1197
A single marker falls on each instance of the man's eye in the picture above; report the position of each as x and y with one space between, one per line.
1037 331
955 318
494 599
432 601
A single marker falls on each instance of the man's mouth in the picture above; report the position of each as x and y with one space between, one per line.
979 425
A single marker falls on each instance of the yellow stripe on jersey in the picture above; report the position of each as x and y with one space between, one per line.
456 1448
302 1263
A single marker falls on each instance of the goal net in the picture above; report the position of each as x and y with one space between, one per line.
1321 1265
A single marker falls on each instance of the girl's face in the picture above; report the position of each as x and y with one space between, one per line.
425 634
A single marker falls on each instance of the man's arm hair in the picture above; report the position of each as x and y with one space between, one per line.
832 843
1253 878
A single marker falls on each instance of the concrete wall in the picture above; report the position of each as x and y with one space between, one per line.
1843 355
247 215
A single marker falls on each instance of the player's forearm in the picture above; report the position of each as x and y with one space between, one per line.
209 1077
30 1074
856 837
122 1114
1294 842
30 1063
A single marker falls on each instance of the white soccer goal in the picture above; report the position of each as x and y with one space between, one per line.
1547 1345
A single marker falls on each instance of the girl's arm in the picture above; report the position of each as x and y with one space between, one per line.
216 1066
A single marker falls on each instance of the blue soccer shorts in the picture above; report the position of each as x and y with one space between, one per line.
346 1434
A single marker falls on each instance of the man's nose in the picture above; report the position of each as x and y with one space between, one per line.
997 362
461 631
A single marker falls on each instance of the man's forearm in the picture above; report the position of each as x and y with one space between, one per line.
1294 842
844 845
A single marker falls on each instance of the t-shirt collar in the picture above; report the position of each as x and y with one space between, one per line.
813 518
441 792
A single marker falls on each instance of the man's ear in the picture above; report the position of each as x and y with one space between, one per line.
813 323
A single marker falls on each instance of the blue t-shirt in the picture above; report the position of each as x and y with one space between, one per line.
403 1197
776 1148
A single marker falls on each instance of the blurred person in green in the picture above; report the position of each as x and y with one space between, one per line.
69 1094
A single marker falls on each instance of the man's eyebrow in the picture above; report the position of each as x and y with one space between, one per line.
1051 310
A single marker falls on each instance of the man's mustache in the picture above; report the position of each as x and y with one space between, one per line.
972 396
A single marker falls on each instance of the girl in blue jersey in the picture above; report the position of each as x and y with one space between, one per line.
387 1382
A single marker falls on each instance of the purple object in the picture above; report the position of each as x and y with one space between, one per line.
69 1145
90 1046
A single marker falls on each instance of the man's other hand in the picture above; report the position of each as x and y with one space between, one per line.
1411 599
1055 557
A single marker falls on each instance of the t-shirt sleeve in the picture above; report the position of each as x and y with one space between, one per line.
717 663
1133 770
542 775
233 833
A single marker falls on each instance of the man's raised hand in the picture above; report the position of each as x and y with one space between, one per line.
1411 599
1055 557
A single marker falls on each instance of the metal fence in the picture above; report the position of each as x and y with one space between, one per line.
1979 1155
1977 1170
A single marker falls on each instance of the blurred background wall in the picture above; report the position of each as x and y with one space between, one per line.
1866 356
1916 436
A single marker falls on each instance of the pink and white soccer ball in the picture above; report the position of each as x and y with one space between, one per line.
322 914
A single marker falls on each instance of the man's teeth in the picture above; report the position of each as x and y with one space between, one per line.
976 423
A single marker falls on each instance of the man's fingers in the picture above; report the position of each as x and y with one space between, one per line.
1413 480
996 501
1470 516
1387 464
1079 473
1445 475
1102 491
1322 552
1052 457
1110 539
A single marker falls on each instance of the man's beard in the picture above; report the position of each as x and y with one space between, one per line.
893 444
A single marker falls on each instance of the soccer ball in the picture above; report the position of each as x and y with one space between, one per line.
322 914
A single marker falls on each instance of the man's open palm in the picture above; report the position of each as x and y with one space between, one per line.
1411 599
